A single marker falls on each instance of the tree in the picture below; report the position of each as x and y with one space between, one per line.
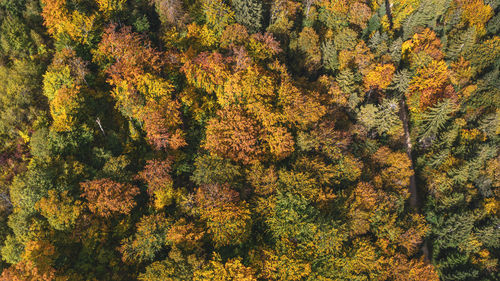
295 103
217 15
130 57
37 264
106 197
359 14
63 86
228 220
140 91
167 270
59 20
422 47
379 78
308 44
149 239
395 169
283 13
249 14
156 174
234 135
329 56
476 13
110 7
279 140
231 270
436 117
60 210
170 11
206 71
161 120
429 86
212 169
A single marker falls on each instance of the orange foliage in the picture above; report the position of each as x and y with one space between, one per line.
185 235
139 89
299 108
130 53
106 196
264 181
26 271
359 13
207 71
58 19
234 34
36 265
280 142
215 195
363 57
234 135
461 72
424 42
161 120
263 46
233 269
380 77
156 174
415 269
364 198
429 86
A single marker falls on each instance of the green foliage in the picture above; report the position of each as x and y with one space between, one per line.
460 43
249 14
293 218
435 118
149 239
330 57
210 169
12 250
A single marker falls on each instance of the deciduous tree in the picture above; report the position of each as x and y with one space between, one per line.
106 197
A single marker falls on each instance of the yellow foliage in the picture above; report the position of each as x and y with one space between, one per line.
380 77
218 15
491 206
59 20
64 108
400 10
476 13
202 34
164 197
60 210
232 270
110 6
341 7
153 88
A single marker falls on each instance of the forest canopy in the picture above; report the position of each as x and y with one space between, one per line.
281 140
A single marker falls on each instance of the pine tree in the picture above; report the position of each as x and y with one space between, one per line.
249 14
436 117
330 57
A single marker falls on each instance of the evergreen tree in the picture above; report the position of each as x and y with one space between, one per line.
249 13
